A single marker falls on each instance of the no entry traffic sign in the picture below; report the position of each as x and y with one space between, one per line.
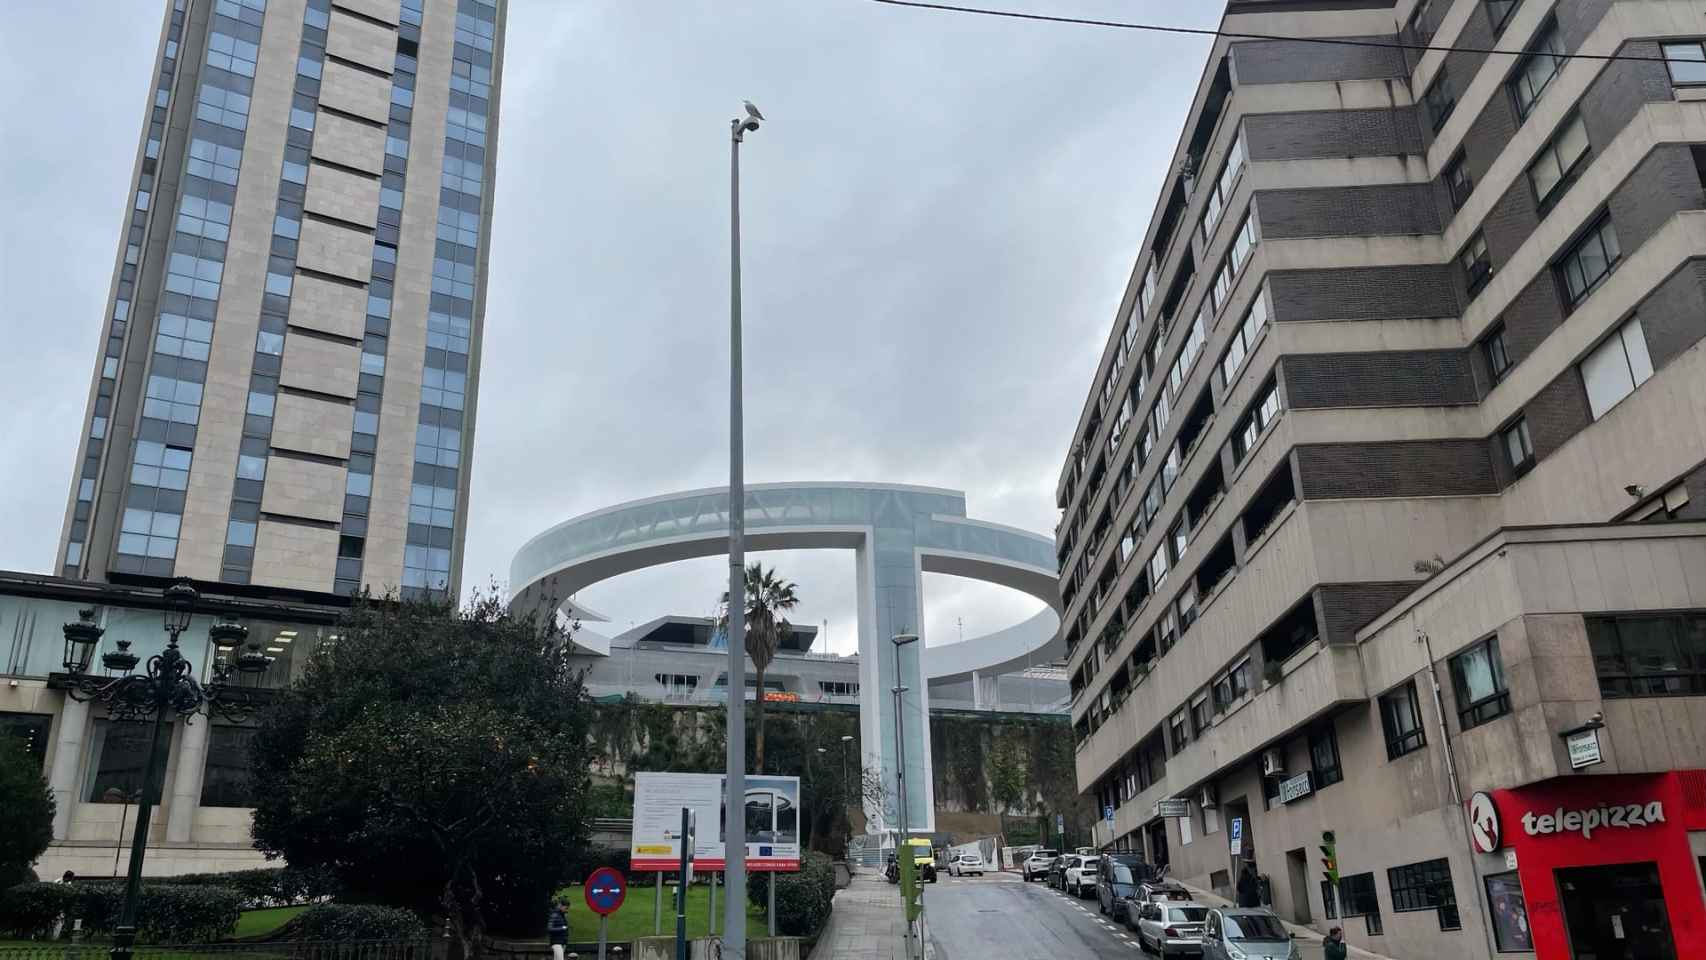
605 890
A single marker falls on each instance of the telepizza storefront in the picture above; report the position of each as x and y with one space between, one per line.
1605 867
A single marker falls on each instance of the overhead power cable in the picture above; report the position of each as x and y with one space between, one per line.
1238 35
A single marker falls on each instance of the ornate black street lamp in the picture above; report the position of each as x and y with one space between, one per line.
167 686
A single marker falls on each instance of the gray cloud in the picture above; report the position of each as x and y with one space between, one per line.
940 217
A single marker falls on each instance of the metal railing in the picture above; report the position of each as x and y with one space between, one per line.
274 950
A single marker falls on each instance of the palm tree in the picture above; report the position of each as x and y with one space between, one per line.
767 597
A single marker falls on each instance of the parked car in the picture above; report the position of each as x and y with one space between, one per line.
1038 864
1252 933
1116 882
967 864
1057 873
1080 878
1171 928
1154 891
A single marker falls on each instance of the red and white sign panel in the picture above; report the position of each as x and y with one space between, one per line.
771 815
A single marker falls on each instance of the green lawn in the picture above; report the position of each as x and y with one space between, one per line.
635 917
253 923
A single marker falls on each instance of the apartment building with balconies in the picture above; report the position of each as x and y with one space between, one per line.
1412 349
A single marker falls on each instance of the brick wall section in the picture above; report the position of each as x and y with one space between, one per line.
1618 92
1396 378
1674 314
1577 18
1317 134
1420 468
1460 68
1346 608
1365 293
1395 209
1293 61
1509 222
1665 182
1532 316
1555 414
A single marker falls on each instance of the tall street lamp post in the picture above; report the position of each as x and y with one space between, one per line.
166 686
734 855
901 848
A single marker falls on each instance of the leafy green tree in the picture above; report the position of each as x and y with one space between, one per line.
436 759
28 806
767 598
1007 775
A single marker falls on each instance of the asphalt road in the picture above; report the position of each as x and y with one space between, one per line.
1001 917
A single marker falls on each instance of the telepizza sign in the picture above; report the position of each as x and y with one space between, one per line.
1585 822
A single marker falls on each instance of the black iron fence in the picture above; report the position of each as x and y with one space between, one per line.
276 950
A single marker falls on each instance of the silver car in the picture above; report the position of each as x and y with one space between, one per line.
1254 933
1171 928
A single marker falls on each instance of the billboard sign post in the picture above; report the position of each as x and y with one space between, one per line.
772 818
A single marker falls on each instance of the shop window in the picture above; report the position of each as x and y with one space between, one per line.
1356 894
1401 717
226 780
1478 678
119 754
1324 756
1511 931
27 731
1616 367
1649 656
1425 886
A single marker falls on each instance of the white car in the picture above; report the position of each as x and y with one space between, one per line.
1079 878
1038 864
966 864
1170 928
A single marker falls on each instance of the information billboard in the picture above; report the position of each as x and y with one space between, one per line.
772 817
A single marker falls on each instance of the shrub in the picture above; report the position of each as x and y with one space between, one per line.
803 899
30 909
269 887
355 921
165 913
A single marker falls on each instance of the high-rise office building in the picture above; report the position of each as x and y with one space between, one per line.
284 389
1383 513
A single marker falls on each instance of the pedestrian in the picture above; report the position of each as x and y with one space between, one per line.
59 921
1249 888
557 927
1334 946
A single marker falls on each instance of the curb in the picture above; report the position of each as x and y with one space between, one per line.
1298 931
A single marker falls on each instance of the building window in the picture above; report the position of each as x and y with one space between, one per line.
1263 411
1649 656
1231 685
1558 163
119 754
1687 62
1535 71
1158 566
1475 263
1200 716
1401 716
1439 99
1510 913
1458 182
1425 886
1589 260
226 780
1519 449
1243 340
1478 678
1179 538
1498 355
1178 732
1616 367
837 688
1324 756
1499 12
1357 895
1186 605
29 732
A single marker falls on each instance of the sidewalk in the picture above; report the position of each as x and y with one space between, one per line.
866 923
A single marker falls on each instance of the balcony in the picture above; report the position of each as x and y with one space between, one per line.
1312 682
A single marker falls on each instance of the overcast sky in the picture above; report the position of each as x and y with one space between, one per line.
940 217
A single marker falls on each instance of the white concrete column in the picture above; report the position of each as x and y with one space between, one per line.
67 761
976 691
186 780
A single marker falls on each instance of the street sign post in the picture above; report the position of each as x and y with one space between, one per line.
1060 824
1237 840
605 891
